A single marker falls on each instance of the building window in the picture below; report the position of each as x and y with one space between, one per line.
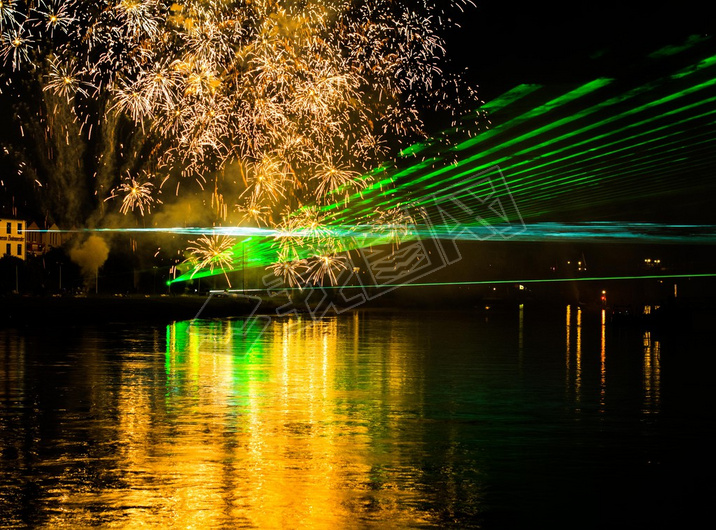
19 249
8 228
19 228
7 249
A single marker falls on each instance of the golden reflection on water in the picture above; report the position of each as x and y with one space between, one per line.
578 358
652 374
521 334
269 431
568 351
651 363
603 362
12 350
573 371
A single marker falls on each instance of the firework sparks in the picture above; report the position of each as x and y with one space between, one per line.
211 252
54 15
326 266
17 44
255 213
304 96
211 69
65 80
332 176
135 196
290 271
393 224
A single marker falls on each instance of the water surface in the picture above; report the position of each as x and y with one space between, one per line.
522 418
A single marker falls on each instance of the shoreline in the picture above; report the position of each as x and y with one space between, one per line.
27 310
19 310
42 311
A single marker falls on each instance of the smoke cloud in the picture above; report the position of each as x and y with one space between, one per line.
90 255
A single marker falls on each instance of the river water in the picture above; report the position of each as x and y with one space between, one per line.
519 418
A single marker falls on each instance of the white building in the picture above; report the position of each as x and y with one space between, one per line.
12 238
40 241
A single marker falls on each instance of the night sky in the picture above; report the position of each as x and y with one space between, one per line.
505 45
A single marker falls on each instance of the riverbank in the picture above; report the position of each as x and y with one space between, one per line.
70 310
23 311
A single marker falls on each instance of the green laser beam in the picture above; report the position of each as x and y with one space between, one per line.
482 282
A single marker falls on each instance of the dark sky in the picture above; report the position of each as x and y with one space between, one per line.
505 43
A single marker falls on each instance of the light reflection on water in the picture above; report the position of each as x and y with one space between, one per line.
421 419
297 424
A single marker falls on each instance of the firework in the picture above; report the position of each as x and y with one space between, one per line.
332 176
140 17
8 14
54 15
17 44
393 224
135 196
267 180
211 252
304 228
327 265
65 80
290 271
254 213
304 97
132 101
